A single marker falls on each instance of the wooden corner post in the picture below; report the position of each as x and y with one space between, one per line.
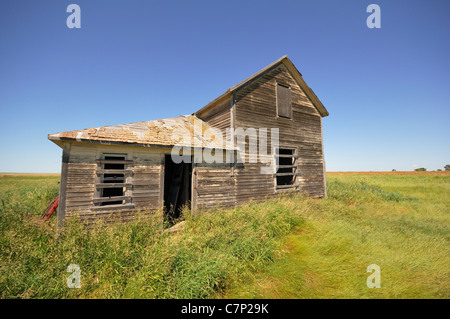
323 159
63 184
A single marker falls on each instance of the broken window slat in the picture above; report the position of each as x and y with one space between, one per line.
110 161
287 166
286 174
114 171
286 190
111 199
112 185
286 156
109 207
286 186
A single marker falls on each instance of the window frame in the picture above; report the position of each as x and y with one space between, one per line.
125 197
295 173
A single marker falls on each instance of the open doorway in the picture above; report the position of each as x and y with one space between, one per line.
177 188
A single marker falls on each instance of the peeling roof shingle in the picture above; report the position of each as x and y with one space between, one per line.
186 130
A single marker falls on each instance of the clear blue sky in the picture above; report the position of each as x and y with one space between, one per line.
387 90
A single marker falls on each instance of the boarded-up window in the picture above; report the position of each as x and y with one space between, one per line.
113 178
284 104
112 187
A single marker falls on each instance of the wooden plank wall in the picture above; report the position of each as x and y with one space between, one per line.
82 177
146 178
255 106
220 117
216 183
216 186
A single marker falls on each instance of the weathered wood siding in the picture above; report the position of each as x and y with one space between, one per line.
215 184
219 116
146 178
255 107
82 177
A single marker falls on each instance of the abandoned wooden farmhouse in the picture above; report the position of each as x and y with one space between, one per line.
121 169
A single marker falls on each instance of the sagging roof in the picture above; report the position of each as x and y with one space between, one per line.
294 72
186 130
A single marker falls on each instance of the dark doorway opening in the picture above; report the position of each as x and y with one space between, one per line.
177 188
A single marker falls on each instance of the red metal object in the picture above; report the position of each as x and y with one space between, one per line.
48 212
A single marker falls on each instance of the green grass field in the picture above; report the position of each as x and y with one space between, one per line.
291 247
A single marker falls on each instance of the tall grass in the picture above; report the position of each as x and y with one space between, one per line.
400 223
291 247
136 259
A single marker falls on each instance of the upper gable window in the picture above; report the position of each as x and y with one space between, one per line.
284 103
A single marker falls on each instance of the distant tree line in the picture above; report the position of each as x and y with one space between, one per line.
423 169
